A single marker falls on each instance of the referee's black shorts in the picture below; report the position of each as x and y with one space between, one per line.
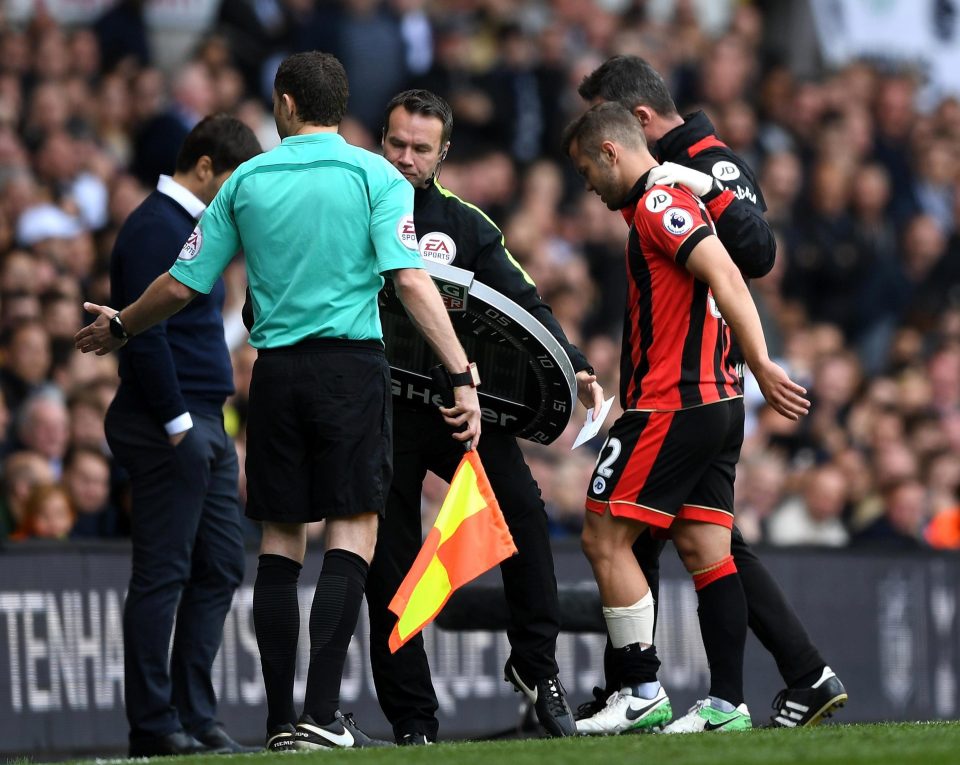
319 441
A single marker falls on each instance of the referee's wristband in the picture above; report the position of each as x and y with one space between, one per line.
469 377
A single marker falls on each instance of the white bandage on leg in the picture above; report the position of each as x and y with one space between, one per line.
631 624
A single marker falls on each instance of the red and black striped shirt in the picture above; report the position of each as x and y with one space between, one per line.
676 345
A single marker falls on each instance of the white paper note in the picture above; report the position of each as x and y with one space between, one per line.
592 426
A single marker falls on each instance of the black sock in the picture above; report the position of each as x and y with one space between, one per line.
612 671
333 618
723 623
805 681
276 621
637 665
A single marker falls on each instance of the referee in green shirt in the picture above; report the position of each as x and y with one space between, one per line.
319 222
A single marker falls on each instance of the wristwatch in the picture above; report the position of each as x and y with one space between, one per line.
117 329
470 377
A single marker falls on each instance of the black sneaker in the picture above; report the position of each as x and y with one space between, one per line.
282 739
342 733
590 708
803 707
548 699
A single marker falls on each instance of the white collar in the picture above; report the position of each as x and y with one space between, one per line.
181 195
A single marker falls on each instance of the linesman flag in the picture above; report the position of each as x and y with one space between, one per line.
470 536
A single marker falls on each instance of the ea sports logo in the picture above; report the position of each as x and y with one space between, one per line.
191 247
438 247
407 233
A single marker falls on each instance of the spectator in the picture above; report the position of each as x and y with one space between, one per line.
27 360
758 489
122 34
43 426
87 413
47 514
816 517
159 139
22 471
86 477
365 26
905 513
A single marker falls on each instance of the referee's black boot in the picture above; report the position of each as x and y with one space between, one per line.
341 733
282 739
549 701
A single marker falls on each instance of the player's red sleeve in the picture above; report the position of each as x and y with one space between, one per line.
671 221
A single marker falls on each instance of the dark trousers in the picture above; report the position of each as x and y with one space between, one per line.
422 442
187 562
770 615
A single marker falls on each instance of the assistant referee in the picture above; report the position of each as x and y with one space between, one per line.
318 221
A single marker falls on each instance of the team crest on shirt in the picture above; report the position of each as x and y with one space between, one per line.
658 199
677 221
724 170
192 246
406 232
438 247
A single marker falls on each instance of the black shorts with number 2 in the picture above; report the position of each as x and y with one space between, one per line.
658 466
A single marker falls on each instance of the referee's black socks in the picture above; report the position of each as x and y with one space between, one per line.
333 618
276 621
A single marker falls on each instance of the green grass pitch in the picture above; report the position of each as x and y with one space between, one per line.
932 743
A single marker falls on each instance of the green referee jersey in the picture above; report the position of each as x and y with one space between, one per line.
319 221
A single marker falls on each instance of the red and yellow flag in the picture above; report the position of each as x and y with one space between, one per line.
470 536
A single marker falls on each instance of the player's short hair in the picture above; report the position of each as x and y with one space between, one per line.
603 122
418 101
317 83
225 139
630 81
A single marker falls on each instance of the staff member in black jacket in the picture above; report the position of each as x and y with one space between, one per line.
693 156
165 426
416 139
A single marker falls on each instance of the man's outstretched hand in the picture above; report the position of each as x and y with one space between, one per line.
97 337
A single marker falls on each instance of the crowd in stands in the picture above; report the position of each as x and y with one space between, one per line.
862 189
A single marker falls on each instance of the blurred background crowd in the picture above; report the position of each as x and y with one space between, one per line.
858 160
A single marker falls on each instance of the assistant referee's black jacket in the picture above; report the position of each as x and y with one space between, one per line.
478 246
738 211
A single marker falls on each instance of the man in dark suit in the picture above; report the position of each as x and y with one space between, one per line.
165 427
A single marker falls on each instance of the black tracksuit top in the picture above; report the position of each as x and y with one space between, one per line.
478 246
738 216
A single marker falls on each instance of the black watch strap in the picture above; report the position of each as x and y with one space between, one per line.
117 329
470 377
